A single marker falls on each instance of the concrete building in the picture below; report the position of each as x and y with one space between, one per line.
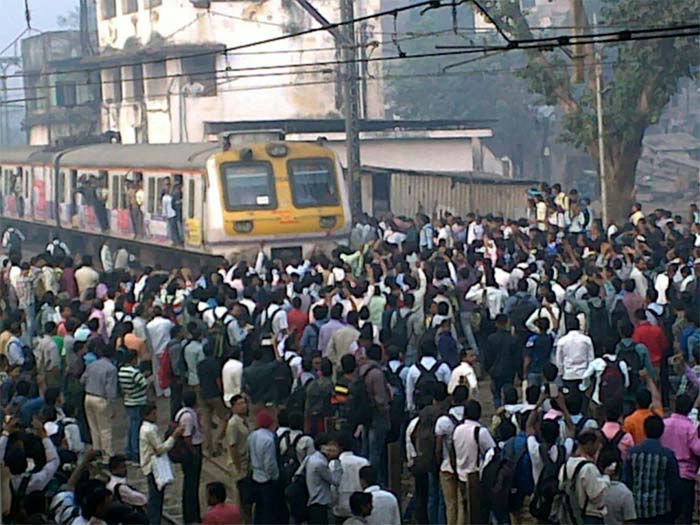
59 104
164 71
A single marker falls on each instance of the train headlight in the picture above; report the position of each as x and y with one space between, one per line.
277 150
243 226
328 221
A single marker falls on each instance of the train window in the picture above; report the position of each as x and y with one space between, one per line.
313 182
248 185
190 200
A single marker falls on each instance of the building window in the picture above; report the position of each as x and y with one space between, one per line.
113 84
156 81
200 73
65 94
527 4
130 6
134 84
109 8
151 195
152 3
61 186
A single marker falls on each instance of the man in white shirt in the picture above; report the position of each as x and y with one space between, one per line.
158 331
444 427
350 480
464 374
232 376
118 483
471 442
574 352
385 506
427 363
641 285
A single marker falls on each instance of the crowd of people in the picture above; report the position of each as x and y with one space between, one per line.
353 386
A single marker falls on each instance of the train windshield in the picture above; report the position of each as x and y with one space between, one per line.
248 185
313 182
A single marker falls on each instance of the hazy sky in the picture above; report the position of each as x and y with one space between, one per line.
43 12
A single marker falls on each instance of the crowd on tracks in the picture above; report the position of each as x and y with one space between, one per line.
351 386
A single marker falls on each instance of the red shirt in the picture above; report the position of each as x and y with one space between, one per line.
297 321
222 514
653 338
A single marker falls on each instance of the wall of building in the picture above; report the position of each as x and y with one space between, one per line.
173 110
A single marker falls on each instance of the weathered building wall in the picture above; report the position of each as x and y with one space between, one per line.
173 109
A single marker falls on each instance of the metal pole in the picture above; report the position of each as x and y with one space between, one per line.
351 106
601 139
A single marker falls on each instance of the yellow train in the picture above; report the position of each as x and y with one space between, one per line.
204 198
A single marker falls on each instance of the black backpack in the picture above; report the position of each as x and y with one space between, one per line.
29 359
423 439
296 494
360 410
288 462
427 380
17 512
263 333
399 333
547 485
520 313
612 381
397 404
628 354
613 445
619 314
498 477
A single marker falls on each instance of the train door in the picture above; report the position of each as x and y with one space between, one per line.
193 206
120 222
24 193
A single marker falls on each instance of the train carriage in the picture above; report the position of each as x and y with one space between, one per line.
287 196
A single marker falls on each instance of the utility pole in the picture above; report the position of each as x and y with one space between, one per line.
601 139
351 93
5 64
351 106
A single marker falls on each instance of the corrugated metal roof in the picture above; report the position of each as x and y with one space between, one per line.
185 156
475 176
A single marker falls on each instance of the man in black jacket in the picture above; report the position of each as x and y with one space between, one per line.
501 358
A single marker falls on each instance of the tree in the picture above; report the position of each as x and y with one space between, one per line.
70 20
419 89
642 78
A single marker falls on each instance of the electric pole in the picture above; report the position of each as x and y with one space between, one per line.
351 105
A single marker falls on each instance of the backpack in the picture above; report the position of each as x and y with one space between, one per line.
423 439
628 354
498 477
296 493
619 314
297 399
427 380
263 333
180 453
17 512
360 410
547 485
519 314
599 328
613 444
566 506
218 334
15 241
288 462
399 333
612 382
397 404
284 379
29 358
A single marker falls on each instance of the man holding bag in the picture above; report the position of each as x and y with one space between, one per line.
151 446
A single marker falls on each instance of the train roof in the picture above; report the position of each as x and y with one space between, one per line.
185 156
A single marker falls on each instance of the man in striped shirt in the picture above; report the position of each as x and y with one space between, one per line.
133 385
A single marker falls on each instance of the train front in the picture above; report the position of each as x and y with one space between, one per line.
286 197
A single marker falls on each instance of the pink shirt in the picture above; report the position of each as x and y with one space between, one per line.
222 514
609 430
681 436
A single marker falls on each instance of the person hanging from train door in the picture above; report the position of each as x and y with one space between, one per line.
134 199
169 213
99 187
177 207
12 240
